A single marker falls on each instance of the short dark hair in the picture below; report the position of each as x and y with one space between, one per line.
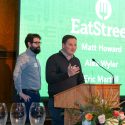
30 37
66 37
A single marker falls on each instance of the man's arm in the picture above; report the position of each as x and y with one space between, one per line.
20 65
52 75
17 74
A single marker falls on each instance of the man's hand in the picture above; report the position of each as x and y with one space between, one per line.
24 96
73 70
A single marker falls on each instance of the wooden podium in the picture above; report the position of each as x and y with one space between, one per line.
82 92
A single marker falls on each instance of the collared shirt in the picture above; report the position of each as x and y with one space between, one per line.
66 55
27 72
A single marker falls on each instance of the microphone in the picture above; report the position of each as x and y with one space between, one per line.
105 70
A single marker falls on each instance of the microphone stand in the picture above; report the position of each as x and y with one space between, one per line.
105 70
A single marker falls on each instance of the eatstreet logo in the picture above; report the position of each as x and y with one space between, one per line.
97 28
103 9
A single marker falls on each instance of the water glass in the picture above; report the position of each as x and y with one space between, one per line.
18 114
3 114
37 114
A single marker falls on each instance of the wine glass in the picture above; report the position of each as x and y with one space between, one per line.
37 114
3 114
18 114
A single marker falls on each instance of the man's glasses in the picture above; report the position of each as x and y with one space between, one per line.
36 42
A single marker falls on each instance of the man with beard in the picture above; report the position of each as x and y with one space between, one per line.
27 74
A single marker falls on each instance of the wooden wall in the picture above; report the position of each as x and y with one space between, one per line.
9 25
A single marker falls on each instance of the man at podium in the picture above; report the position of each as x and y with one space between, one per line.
63 71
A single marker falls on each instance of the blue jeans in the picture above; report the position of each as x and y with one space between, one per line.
35 97
57 114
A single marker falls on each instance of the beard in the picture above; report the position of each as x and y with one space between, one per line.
35 50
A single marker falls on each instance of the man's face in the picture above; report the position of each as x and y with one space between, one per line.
35 45
70 46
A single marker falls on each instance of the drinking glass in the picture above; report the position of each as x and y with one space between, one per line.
3 114
37 114
18 114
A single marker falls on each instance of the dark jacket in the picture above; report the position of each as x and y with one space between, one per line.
57 76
